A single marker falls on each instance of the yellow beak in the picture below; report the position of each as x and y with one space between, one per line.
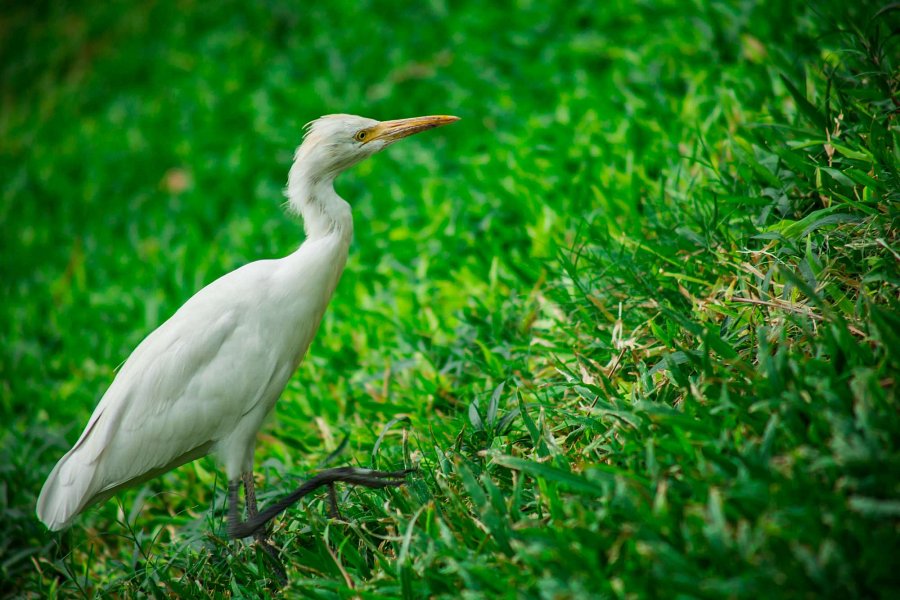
391 131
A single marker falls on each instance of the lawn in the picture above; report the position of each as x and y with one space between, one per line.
635 317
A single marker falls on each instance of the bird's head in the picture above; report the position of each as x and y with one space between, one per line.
334 143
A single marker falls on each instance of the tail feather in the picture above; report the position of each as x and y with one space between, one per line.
67 491
72 484
85 476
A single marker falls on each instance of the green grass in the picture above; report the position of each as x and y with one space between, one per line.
635 317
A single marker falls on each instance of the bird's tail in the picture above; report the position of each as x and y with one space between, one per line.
67 491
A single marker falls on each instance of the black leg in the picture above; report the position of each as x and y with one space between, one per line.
352 475
249 493
260 535
333 510
250 500
234 518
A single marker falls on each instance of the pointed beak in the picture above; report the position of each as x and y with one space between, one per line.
391 131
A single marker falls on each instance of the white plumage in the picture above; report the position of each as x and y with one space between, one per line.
205 380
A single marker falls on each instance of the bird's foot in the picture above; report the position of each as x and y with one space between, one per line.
353 475
365 477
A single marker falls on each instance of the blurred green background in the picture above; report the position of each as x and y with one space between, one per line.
615 167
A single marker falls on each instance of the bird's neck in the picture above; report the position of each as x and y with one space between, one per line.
323 211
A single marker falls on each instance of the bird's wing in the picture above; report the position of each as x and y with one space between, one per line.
181 389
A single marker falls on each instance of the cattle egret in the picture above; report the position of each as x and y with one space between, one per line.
204 381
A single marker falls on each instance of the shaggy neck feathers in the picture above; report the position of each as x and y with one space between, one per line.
313 197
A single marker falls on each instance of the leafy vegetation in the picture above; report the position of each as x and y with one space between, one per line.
635 317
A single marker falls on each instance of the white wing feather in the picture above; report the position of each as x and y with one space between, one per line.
182 390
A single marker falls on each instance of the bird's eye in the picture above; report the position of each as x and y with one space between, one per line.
360 136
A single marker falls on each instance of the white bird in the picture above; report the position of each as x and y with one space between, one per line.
204 381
